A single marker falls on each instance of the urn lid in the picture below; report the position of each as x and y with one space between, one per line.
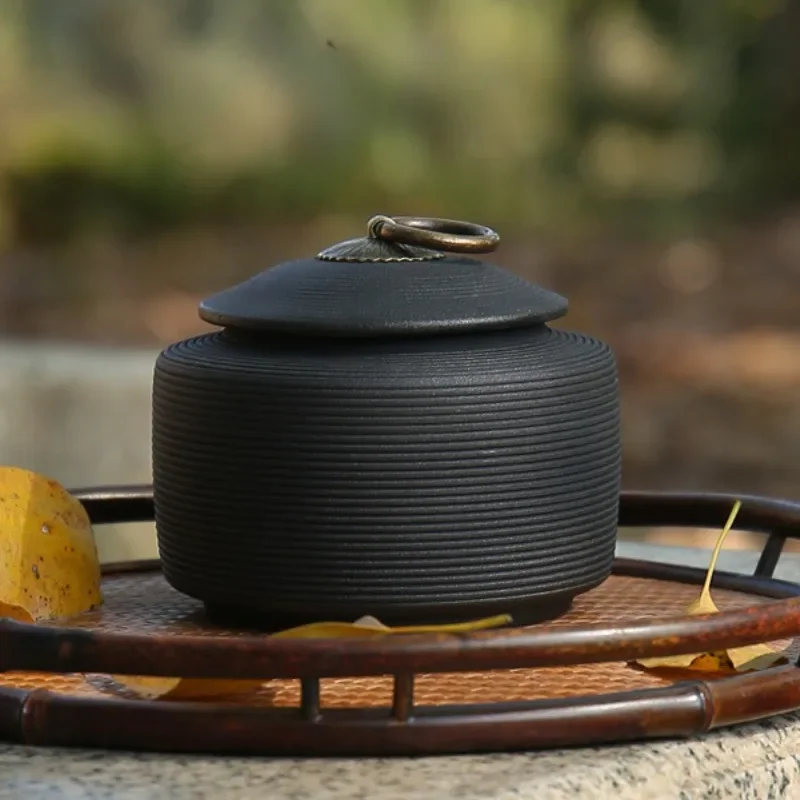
399 280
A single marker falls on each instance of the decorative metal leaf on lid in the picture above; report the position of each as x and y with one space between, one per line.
412 239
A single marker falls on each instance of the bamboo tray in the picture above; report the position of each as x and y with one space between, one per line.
561 683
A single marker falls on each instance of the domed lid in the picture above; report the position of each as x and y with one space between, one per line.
395 281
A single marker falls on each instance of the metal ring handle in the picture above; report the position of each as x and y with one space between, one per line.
449 235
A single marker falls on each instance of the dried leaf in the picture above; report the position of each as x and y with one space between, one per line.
154 687
753 657
48 559
737 659
369 626
14 612
458 627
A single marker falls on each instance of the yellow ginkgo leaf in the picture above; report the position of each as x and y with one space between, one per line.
153 687
369 626
48 559
735 659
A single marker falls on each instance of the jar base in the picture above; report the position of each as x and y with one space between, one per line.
531 612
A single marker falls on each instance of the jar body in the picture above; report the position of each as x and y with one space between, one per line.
413 479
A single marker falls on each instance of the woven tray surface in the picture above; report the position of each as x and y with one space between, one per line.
143 603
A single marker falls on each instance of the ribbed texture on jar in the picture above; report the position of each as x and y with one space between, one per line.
333 479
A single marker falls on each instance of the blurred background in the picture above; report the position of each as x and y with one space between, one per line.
639 156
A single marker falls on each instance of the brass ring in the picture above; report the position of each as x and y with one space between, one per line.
437 234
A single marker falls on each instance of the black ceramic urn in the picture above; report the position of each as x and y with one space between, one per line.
385 429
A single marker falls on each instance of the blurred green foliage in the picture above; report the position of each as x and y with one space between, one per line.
129 117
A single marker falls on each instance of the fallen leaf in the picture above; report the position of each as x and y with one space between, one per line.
736 659
14 612
154 687
48 559
369 626
459 627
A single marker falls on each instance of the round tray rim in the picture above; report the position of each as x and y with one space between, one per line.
41 647
46 718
